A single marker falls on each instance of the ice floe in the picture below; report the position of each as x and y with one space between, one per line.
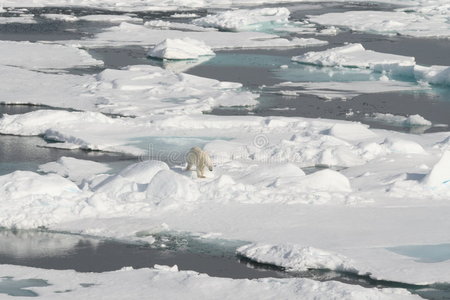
409 121
426 21
132 91
18 19
168 282
134 34
342 90
39 56
110 18
246 19
355 55
60 17
180 49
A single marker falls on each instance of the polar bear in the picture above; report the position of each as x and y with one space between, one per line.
200 159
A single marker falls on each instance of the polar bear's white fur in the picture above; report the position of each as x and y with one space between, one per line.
200 159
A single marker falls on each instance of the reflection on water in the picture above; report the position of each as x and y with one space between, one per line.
24 244
63 251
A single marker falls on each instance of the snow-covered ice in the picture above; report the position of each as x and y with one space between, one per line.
343 90
39 56
429 21
164 282
74 169
180 49
132 91
134 34
257 162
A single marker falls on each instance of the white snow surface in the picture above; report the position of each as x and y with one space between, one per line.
246 19
74 169
355 55
164 282
180 49
39 56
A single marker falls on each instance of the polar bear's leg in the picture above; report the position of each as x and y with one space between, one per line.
189 166
200 170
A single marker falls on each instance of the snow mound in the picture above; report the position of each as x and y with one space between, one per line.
268 174
131 181
325 180
186 48
168 188
21 184
403 146
143 172
296 258
440 174
351 132
245 19
74 169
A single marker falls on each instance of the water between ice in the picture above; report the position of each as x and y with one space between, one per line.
61 251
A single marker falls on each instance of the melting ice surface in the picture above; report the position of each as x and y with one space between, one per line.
424 253
19 288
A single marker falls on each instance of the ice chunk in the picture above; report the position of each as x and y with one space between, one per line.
245 19
296 258
403 146
440 174
412 120
354 55
186 48
60 17
110 18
